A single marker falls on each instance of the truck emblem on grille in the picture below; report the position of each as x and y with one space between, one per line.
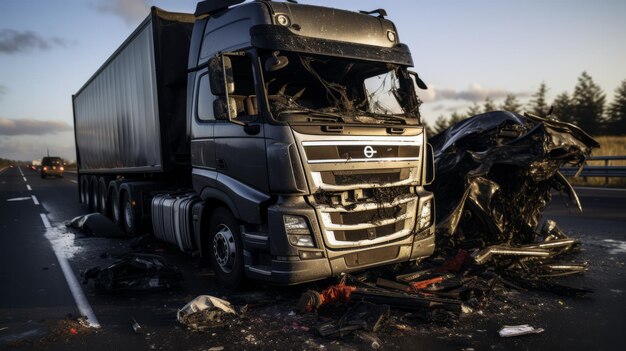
369 151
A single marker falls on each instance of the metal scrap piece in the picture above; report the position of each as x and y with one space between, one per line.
484 255
517 330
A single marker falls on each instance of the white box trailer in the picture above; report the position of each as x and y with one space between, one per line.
130 115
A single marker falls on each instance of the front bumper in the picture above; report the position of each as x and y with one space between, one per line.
288 264
51 172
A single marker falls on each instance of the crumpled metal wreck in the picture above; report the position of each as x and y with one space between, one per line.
494 176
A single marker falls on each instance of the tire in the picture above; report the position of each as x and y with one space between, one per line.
128 214
103 203
95 206
82 190
86 193
225 248
116 211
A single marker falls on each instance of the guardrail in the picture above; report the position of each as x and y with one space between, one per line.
605 171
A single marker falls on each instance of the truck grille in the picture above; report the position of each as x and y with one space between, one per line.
363 188
367 222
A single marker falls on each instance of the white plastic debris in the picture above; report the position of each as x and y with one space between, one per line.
517 330
204 302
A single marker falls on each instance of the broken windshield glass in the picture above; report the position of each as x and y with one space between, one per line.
308 88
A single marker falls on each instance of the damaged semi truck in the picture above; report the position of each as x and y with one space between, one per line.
282 141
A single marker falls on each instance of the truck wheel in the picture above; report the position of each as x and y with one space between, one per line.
116 212
129 214
225 248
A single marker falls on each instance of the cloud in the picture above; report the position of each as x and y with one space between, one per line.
31 127
131 11
13 41
474 93
3 90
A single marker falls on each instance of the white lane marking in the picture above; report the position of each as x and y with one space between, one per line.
20 169
73 181
594 188
35 200
24 178
78 294
29 188
46 222
19 199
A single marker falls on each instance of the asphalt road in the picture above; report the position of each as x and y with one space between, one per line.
36 295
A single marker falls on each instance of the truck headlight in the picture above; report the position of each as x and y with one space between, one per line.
426 214
298 232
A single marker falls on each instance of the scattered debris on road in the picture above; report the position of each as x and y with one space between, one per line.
135 272
96 224
206 312
136 327
517 330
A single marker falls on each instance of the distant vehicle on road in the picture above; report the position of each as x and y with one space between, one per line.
51 165
36 165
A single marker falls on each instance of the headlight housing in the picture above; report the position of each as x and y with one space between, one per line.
298 231
426 214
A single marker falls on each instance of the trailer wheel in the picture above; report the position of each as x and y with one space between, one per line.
116 212
85 193
129 214
94 194
225 248
103 203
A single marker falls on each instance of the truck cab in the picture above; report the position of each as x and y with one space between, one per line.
307 149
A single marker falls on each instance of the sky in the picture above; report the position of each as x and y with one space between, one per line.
464 50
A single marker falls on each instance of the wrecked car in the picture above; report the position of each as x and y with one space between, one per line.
495 173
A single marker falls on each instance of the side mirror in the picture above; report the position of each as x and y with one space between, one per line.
221 75
418 81
429 173
275 62
224 109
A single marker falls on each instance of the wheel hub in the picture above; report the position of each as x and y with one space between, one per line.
224 248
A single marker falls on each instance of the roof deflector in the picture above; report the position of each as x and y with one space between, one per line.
209 7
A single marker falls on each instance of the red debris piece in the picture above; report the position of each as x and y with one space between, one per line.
73 331
454 264
425 283
312 300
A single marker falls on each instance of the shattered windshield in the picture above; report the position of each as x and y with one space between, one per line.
309 88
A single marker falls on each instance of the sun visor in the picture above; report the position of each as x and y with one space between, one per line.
277 37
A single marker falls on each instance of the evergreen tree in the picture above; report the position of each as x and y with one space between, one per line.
616 121
489 106
441 124
588 101
511 104
563 107
455 118
538 105
473 110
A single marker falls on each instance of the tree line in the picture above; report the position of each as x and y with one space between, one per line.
586 108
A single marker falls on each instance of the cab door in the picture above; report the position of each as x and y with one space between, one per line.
202 138
240 150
